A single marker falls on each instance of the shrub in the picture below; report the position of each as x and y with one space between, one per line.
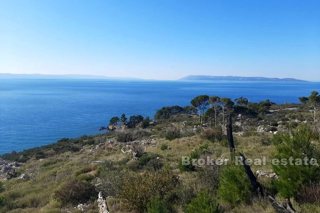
195 154
202 203
213 134
124 137
172 134
309 194
164 147
139 134
296 146
146 157
85 177
40 155
186 168
139 189
208 178
265 141
184 194
64 145
89 141
154 164
156 205
189 167
139 150
148 161
75 192
31 200
2 201
187 132
1 187
234 186
110 179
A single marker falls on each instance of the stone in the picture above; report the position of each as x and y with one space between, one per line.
103 208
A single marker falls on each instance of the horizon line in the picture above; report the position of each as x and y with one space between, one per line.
93 76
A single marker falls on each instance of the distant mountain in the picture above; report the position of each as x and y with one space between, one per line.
235 78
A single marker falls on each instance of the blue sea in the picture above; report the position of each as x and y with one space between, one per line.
35 112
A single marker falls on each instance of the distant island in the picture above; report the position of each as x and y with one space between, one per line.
235 78
186 78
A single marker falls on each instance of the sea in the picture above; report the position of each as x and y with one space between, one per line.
35 112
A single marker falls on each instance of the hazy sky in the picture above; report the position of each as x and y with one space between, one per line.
161 39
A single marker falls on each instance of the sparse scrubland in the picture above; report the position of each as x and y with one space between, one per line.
137 163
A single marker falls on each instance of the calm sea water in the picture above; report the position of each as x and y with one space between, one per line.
38 112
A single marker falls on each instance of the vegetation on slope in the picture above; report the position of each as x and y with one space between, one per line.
137 163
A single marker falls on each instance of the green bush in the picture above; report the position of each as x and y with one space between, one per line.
296 145
195 154
234 186
156 205
202 203
2 201
146 157
186 168
189 167
149 161
164 147
75 192
85 177
154 164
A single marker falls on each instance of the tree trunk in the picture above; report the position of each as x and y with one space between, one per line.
288 205
281 208
215 117
253 180
256 186
230 135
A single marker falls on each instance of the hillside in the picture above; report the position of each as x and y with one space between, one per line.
138 164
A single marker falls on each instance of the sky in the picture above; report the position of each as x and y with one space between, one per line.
161 39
